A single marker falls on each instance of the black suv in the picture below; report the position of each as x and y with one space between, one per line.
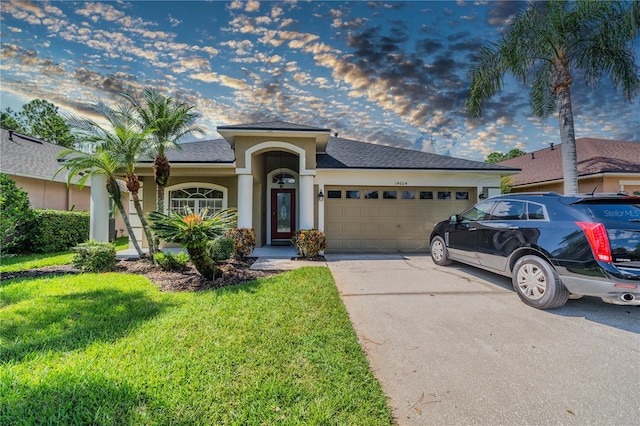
552 246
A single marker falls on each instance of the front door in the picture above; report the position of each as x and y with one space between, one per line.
283 213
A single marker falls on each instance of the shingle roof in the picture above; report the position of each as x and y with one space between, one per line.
273 125
594 156
349 154
30 157
210 151
340 154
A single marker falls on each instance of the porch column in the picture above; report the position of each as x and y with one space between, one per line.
306 202
99 210
245 201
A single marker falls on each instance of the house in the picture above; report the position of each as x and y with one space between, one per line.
603 166
32 163
283 177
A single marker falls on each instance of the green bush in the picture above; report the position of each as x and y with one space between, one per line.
221 249
51 231
244 241
171 262
15 213
309 242
94 256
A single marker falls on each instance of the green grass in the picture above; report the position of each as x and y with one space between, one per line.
31 261
112 349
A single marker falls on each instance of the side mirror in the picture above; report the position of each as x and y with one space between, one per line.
454 218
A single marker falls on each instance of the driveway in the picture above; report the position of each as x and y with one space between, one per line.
454 345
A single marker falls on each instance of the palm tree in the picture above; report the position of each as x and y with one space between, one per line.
170 121
124 143
194 231
98 163
550 42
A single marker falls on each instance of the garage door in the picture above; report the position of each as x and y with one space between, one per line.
388 219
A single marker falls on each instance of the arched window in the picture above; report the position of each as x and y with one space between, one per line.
197 198
283 178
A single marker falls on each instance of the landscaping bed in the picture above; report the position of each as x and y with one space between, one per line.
233 272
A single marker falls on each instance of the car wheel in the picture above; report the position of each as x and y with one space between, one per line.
538 284
439 252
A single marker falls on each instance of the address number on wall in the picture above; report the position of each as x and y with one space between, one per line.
402 183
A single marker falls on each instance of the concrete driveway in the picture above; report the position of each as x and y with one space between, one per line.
454 345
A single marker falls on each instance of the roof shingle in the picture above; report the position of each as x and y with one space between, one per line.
30 157
594 156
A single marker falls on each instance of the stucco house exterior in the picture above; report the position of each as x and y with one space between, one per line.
283 177
32 164
603 166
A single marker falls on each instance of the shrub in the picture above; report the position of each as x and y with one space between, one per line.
171 262
221 249
15 213
55 230
244 241
94 256
309 242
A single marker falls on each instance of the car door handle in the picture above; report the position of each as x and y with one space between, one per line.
512 228
472 229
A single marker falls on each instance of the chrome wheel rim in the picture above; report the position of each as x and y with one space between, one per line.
532 281
437 251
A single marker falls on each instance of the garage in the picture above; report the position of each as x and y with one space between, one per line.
360 219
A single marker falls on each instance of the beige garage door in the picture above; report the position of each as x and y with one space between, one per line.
388 219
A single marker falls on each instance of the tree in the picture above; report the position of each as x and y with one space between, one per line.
15 211
496 157
9 122
121 142
39 119
101 163
550 42
170 121
194 232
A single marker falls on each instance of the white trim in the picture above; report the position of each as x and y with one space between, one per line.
168 189
272 146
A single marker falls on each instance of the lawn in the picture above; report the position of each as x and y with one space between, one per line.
112 349
31 261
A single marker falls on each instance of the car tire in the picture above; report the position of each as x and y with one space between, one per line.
439 252
538 284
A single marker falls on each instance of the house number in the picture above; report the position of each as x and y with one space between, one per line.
401 183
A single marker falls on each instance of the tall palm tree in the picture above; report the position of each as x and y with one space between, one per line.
125 143
170 121
98 163
551 42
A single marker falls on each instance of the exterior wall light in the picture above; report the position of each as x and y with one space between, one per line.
321 195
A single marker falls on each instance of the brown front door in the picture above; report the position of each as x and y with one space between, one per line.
283 213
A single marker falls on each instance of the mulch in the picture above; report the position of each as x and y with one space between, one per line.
233 272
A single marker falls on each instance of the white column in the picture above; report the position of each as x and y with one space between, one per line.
306 202
321 209
245 201
99 209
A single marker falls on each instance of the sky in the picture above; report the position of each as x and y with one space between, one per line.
391 73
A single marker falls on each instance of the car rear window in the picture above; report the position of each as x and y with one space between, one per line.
612 211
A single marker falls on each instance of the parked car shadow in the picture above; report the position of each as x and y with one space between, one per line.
590 308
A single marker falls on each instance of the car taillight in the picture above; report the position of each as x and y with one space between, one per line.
598 239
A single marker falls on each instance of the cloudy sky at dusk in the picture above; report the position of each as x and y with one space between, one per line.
392 73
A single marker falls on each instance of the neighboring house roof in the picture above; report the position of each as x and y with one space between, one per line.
25 156
595 156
